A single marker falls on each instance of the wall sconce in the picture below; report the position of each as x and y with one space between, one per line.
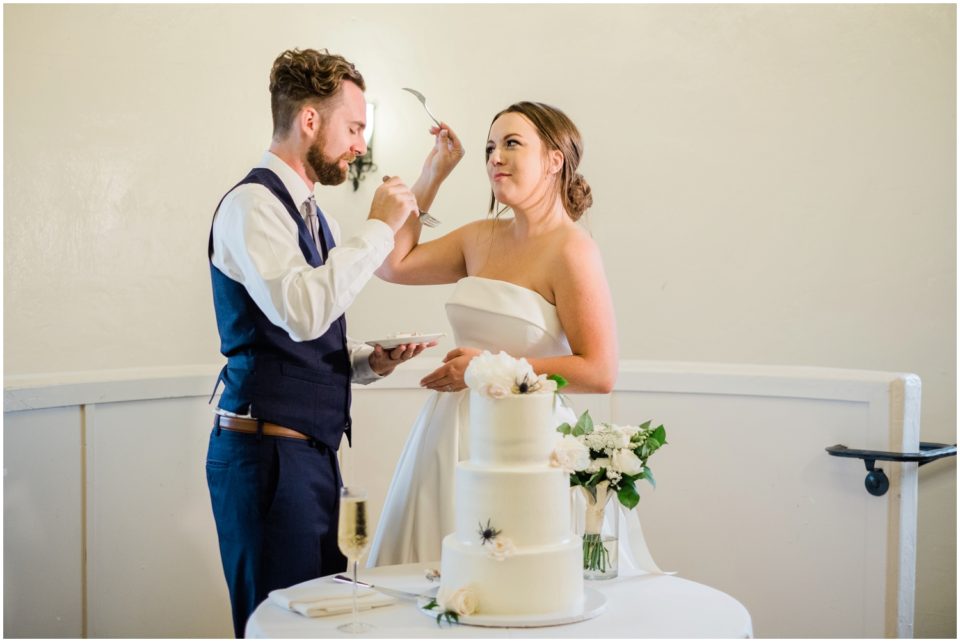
364 164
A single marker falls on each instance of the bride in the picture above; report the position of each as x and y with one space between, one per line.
532 285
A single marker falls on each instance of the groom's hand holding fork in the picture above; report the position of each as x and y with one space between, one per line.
393 203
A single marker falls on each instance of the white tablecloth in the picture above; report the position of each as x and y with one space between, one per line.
638 606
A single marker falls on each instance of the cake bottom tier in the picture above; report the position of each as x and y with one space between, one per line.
543 580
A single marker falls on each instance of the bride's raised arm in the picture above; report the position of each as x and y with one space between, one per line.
415 263
440 260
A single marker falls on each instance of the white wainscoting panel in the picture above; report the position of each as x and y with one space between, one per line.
749 502
43 524
154 565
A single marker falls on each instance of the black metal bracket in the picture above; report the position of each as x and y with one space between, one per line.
876 481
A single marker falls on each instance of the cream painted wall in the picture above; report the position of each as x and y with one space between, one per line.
773 184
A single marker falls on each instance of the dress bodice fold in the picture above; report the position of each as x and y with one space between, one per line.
494 315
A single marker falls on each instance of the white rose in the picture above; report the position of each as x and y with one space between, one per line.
623 435
501 548
626 462
463 601
570 454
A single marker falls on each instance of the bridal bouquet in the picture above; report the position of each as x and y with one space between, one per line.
605 460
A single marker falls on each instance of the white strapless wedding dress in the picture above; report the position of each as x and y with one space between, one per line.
485 314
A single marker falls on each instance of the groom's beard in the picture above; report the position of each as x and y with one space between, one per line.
328 172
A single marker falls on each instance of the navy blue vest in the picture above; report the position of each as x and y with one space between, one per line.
300 385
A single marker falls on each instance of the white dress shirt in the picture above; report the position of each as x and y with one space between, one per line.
255 242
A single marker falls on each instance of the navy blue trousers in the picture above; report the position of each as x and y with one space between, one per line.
275 501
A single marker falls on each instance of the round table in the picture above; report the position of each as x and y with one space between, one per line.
638 606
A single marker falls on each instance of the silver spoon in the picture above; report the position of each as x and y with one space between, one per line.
423 101
425 217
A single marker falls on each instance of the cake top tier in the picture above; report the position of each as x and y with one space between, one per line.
511 412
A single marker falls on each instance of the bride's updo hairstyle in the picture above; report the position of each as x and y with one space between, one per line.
557 132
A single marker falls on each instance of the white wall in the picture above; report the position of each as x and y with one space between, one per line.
773 184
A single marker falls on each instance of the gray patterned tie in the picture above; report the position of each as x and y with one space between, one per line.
313 221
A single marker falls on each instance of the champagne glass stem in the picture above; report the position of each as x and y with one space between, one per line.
356 619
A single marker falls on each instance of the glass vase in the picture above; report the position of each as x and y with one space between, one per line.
600 533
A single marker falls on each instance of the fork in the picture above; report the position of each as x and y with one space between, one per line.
424 216
428 220
423 101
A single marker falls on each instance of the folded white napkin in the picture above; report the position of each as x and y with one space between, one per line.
331 598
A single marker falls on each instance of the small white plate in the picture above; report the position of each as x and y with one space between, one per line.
594 603
393 342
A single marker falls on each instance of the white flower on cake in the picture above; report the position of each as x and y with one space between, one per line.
499 375
462 601
501 548
570 454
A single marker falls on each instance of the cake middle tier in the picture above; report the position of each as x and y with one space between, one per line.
529 505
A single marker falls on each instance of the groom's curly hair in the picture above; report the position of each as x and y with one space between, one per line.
307 76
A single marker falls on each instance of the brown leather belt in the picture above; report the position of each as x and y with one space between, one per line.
241 424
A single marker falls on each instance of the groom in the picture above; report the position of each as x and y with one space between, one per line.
282 281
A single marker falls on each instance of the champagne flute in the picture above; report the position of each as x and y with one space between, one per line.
353 538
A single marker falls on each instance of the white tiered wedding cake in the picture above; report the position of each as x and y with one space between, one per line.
513 552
